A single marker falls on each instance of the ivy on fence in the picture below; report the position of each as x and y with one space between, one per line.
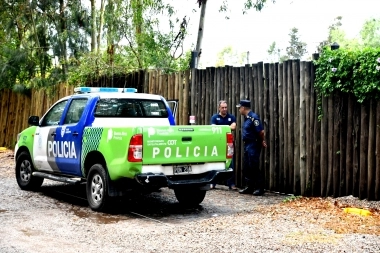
350 71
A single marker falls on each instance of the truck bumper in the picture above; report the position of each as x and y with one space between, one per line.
183 181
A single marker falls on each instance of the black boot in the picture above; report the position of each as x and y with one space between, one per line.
247 190
258 192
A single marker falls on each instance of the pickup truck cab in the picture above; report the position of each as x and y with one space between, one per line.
116 140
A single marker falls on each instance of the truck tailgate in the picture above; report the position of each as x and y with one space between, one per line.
184 144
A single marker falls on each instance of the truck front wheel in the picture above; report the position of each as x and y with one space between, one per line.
24 173
97 188
190 197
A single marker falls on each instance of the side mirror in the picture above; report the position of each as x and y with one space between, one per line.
34 120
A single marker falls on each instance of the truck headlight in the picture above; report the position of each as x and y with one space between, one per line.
18 136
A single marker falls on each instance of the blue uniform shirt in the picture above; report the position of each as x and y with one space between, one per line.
251 128
217 119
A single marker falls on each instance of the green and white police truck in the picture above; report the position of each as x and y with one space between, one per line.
116 140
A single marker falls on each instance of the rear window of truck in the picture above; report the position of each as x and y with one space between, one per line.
130 108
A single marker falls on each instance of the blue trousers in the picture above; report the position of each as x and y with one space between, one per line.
254 177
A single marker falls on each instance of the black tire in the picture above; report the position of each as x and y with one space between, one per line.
190 197
23 170
97 188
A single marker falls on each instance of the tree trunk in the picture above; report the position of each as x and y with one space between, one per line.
93 26
101 21
200 31
62 28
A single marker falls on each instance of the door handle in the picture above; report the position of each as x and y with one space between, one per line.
75 133
53 134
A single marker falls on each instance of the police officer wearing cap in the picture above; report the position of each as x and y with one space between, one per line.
253 136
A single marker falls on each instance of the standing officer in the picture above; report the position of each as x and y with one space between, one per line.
224 118
253 138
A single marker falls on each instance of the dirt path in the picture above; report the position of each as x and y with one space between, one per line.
58 219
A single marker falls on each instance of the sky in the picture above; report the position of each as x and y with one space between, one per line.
255 31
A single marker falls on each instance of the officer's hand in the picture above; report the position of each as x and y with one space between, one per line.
264 144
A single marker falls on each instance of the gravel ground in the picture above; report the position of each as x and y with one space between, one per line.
58 219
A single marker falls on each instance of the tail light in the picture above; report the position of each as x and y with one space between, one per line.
230 146
135 149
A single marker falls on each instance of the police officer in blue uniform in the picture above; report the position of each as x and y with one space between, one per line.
224 118
253 136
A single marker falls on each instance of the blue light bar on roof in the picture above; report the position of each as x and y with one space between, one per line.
102 89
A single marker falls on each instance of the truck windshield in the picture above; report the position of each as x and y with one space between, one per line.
130 108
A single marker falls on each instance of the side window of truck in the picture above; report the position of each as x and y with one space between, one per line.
75 111
131 108
53 116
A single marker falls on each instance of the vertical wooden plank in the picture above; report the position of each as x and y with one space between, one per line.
260 95
280 91
186 100
296 92
151 80
193 91
290 121
364 150
147 79
371 151
180 98
203 120
285 126
176 92
377 158
310 114
324 147
246 81
265 117
349 145
160 77
208 106
356 150
199 96
4 116
330 141
342 146
338 104
302 129
275 121
271 128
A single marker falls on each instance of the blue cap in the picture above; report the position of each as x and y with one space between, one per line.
245 103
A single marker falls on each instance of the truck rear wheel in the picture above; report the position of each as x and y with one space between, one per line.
97 188
24 169
190 197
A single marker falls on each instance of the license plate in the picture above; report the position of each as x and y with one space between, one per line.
181 169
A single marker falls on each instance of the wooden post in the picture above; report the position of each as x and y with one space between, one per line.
275 121
349 145
302 130
193 91
371 151
285 117
186 99
296 120
265 117
271 129
342 146
337 110
356 151
377 163
281 129
309 128
363 150
290 121
208 106
203 120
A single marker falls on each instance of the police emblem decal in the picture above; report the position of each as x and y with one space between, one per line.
256 122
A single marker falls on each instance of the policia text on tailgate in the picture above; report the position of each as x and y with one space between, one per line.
115 140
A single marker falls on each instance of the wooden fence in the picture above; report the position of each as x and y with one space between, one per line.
336 156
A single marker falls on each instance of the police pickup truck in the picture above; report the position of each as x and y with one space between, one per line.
115 141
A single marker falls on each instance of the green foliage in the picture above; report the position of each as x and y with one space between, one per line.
349 71
296 48
291 198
